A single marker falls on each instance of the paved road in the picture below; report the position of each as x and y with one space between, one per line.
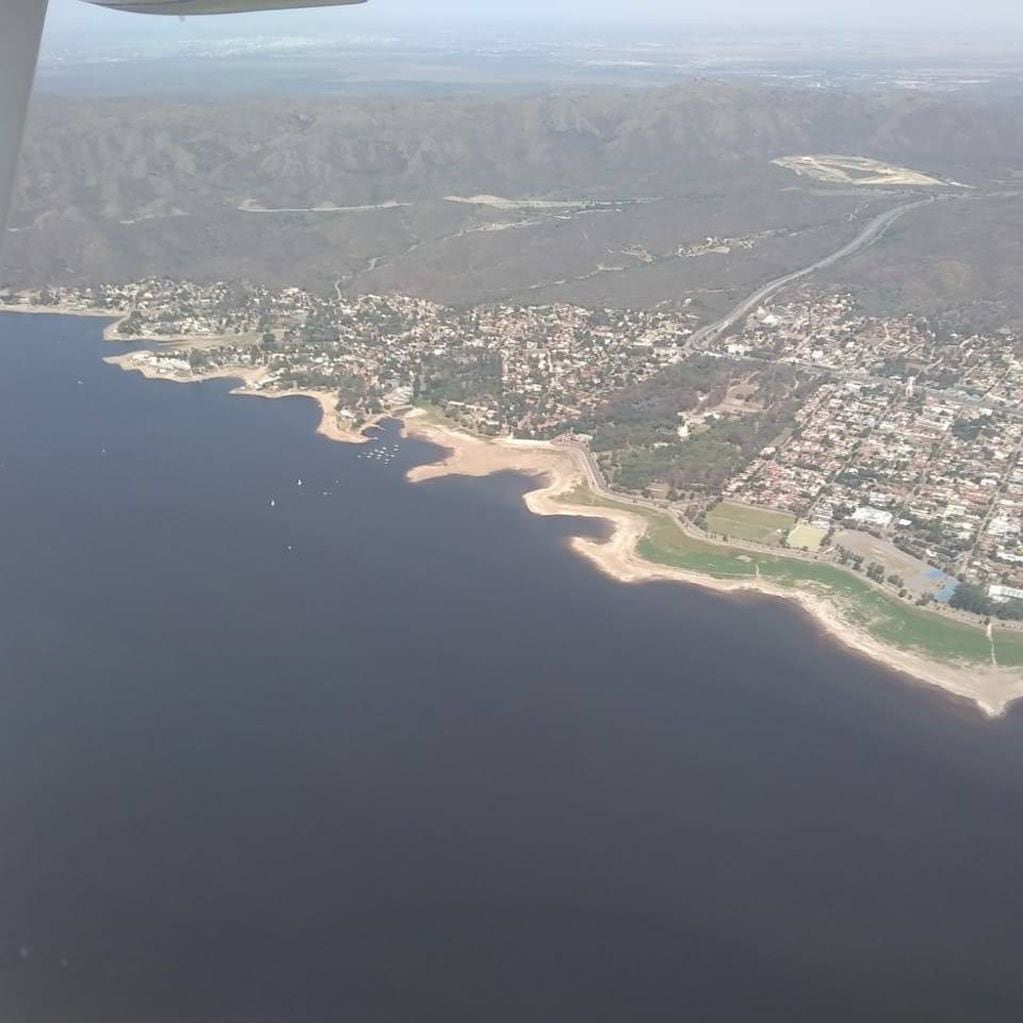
598 483
870 234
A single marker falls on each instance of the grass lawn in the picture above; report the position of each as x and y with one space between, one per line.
884 617
434 415
745 523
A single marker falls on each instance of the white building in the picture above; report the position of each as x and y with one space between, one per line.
872 516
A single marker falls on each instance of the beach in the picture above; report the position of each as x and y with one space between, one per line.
562 469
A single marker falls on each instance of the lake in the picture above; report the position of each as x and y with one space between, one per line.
363 751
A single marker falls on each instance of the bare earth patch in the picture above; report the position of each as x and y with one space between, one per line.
855 170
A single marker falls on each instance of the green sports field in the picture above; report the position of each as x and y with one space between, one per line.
746 523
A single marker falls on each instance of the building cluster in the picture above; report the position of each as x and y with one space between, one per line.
914 436
829 334
493 368
912 433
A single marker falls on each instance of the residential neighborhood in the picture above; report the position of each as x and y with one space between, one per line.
895 432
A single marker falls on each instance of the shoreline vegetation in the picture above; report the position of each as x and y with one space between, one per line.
647 545
984 666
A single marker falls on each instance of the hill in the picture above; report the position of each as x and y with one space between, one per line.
651 196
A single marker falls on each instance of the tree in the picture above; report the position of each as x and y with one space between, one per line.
130 325
968 597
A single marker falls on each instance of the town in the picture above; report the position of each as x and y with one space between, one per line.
888 444
914 437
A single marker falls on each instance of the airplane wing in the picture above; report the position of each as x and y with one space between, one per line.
19 48
21 27
190 7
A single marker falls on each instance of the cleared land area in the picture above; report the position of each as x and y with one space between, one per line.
499 203
252 206
745 523
856 170
919 577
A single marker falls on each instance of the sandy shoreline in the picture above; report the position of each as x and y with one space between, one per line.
562 470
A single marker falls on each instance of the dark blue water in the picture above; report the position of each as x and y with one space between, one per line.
395 754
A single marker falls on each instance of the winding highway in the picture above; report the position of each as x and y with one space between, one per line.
874 230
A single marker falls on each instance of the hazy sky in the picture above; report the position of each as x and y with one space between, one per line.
962 15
